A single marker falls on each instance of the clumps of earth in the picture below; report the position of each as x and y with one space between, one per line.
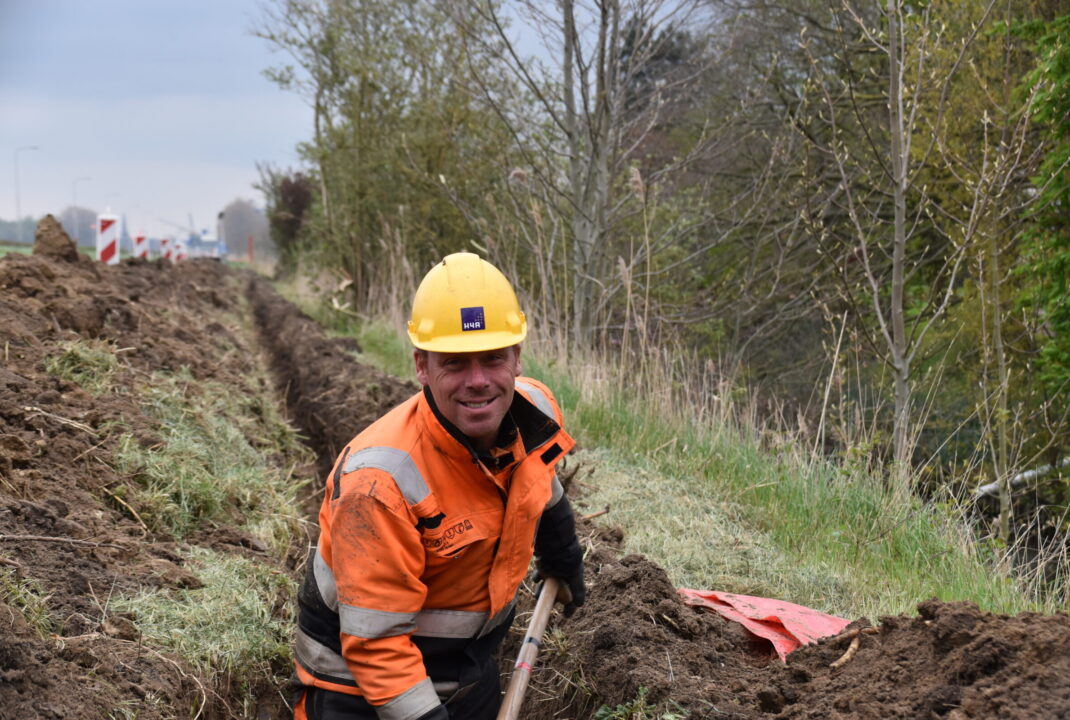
634 645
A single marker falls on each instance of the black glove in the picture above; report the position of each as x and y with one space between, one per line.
559 551
438 712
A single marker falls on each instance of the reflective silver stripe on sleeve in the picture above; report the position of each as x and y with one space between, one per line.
445 688
539 398
320 659
365 623
449 623
498 618
418 700
396 462
557 491
325 581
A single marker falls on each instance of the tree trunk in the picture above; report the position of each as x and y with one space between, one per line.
591 149
899 351
580 231
1001 462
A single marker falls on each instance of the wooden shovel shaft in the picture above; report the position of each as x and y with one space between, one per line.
525 659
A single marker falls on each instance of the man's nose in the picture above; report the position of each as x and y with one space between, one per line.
476 376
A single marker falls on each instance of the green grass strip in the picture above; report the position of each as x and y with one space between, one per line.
6 248
225 456
228 625
214 465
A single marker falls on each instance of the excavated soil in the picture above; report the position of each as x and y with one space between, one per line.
61 528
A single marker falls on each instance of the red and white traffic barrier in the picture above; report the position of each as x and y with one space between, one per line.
165 248
141 246
180 250
108 239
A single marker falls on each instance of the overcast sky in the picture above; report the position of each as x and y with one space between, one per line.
160 103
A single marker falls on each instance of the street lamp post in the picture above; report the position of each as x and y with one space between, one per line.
18 210
74 210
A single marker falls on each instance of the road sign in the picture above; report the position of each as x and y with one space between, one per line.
108 239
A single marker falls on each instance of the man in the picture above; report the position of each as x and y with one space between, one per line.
430 518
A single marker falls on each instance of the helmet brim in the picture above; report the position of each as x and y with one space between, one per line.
472 342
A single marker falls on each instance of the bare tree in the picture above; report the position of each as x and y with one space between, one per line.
583 107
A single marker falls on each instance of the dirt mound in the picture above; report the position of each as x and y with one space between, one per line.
60 532
51 240
634 648
950 661
635 638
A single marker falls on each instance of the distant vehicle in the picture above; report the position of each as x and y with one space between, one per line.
205 245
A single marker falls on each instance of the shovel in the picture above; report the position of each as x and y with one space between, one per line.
518 683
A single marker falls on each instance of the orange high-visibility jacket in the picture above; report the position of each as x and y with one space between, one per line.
421 551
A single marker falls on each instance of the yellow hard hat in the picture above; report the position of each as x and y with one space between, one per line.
465 304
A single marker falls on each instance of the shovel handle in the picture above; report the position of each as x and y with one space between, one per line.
525 659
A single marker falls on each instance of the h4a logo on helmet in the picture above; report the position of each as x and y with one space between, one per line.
472 318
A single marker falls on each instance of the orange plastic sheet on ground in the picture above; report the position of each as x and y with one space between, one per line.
786 625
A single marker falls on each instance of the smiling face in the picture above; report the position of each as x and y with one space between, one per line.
472 390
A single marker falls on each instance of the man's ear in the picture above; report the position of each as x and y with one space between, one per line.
519 368
419 357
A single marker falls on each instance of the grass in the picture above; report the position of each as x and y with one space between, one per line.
16 248
723 505
226 627
214 465
26 595
637 709
90 364
27 249
130 709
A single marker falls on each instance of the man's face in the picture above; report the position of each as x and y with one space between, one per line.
472 390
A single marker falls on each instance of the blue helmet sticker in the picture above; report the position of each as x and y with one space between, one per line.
472 319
